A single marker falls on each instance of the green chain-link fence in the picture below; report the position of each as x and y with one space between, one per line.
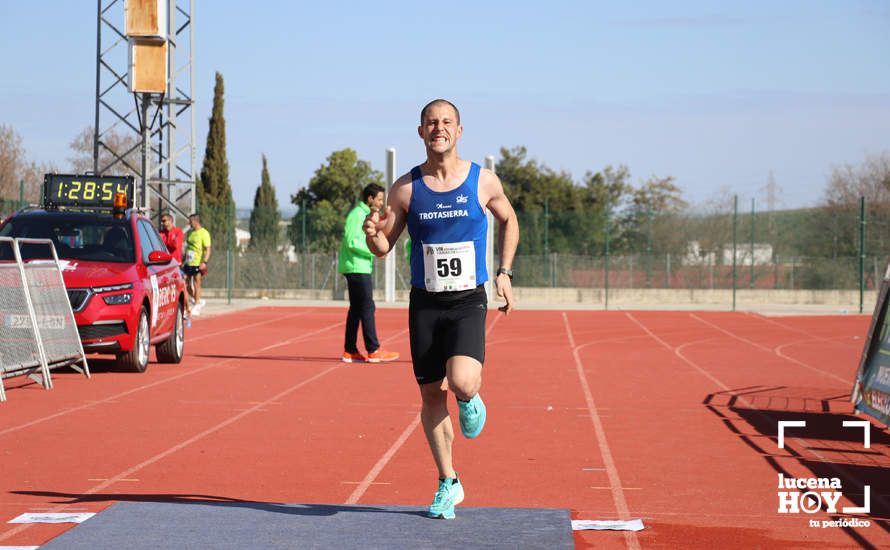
843 247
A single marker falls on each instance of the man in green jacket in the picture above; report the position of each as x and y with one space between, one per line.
356 263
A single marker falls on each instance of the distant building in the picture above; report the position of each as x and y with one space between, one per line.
289 252
286 250
242 237
763 254
694 255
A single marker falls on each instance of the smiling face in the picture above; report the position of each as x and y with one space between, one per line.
375 202
440 128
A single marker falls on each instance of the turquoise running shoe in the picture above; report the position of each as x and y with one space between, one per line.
472 416
449 495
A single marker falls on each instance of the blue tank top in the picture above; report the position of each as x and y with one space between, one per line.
439 217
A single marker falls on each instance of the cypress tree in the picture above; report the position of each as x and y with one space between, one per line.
215 202
264 217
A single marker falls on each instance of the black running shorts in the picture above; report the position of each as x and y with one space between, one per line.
445 324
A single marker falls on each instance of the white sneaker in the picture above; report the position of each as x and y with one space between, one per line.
196 310
203 302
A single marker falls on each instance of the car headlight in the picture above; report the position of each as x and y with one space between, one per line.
118 299
101 289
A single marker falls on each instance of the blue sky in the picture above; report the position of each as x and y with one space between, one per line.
716 94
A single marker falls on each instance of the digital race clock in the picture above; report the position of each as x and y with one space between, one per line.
86 192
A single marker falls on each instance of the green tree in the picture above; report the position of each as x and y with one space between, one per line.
659 202
215 202
601 198
16 168
529 184
710 226
847 184
555 213
545 201
333 190
264 217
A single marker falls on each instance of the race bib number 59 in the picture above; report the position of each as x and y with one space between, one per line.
449 266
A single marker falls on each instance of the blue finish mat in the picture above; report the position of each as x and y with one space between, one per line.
242 525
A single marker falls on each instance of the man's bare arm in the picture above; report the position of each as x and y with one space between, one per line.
500 207
383 230
508 235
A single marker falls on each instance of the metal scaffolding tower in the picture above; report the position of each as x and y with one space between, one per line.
158 130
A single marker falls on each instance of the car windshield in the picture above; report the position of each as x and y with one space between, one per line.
80 237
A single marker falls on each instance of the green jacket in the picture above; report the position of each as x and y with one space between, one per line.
354 254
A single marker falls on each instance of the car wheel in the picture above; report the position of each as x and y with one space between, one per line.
170 350
136 360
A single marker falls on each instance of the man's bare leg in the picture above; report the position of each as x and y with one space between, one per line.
437 425
190 287
464 378
198 288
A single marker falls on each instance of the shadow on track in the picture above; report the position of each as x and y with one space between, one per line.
212 500
824 446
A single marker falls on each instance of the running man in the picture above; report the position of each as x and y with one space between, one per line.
197 254
356 263
443 203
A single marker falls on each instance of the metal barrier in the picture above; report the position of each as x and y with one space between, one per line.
21 352
38 331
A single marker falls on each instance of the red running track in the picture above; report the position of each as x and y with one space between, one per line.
666 416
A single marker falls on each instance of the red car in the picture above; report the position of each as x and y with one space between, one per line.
126 290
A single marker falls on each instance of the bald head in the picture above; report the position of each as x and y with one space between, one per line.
439 102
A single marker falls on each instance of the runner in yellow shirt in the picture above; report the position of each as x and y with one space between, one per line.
197 254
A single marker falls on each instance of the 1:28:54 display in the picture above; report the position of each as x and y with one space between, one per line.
88 190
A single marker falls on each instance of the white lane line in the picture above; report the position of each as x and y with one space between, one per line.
133 469
839 469
106 479
394 448
112 398
395 336
799 331
705 373
774 351
618 497
778 351
243 327
382 462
